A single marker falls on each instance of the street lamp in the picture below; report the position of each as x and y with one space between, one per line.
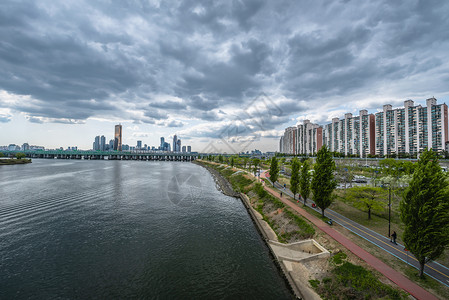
389 209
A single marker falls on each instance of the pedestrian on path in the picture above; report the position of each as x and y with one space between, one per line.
394 236
281 194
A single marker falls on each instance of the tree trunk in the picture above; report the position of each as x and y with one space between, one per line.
421 268
322 212
369 213
305 200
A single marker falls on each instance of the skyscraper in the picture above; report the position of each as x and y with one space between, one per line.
162 143
139 145
102 143
97 143
118 138
183 148
178 146
189 149
175 143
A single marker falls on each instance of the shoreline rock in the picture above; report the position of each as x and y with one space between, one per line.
223 183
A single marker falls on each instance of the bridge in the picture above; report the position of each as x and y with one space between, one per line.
110 155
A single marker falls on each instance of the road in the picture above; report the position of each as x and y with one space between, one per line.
433 269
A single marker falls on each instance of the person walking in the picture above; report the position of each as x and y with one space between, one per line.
281 194
394 236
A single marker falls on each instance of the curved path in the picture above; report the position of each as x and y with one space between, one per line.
402 281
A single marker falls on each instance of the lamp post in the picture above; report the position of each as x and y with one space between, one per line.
389 209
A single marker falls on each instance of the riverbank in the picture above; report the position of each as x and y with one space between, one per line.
224 185
15 161
287 235
264 229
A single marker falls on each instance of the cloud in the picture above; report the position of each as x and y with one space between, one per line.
162 63
169 105
155 114
170 123
140 134
5 118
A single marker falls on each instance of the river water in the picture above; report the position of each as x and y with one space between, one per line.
127 229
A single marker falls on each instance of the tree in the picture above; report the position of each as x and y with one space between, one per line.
304 182
245 162
20 155
323 181
232 161
367 198
274 169
425 211
220 158
1 154
294 179
256 163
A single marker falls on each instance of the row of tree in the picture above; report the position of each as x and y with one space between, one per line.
250 164
424 205
18 155
322 183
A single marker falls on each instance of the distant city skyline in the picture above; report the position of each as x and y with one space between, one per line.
225 76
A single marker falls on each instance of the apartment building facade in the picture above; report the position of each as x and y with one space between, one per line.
409 129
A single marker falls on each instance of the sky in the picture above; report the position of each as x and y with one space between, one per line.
225 76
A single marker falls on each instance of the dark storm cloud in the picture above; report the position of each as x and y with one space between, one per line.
169 105
378 48
82 59
155 114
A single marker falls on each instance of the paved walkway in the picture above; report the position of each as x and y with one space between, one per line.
402 281
433 269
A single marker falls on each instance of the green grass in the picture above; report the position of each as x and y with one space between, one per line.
427 282
306 230
14 161
339 258
240 183
349 281
315 213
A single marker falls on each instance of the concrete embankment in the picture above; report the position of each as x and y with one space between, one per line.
286 256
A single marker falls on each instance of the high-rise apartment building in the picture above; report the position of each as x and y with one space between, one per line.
410 130
352 135
118 138
304 138
184 149
178 146
139 145
189 149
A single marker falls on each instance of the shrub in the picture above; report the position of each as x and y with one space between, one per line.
338 258
314 283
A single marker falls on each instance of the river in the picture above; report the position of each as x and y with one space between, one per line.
78 229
